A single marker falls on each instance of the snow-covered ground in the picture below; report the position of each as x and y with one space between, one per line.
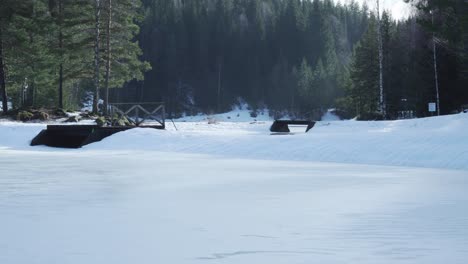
438 142
239 113
346 192
8 104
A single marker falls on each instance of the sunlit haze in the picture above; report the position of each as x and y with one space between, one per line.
398 8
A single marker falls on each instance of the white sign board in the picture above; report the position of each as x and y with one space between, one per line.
432 107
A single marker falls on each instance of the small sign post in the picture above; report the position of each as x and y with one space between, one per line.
432 107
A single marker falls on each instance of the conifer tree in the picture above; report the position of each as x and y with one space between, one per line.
363 92
6 10
29 63
121 53
73 20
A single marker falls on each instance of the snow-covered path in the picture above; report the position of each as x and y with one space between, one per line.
151 207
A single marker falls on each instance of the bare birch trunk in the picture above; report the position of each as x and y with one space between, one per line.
436 77
382 105
60 6
219 84
2 77
96 57
109 54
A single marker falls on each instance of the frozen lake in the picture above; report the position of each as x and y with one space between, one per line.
129 206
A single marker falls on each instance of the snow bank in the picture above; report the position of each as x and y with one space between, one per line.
239 113
17 135
330 116
437 142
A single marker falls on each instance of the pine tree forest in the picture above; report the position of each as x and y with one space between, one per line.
299 57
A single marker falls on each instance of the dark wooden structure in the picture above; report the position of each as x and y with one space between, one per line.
140 113
73 136
146 115
76 136
282 126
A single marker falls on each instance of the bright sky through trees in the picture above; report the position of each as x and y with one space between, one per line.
399 9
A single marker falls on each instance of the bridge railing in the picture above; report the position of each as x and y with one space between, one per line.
141 114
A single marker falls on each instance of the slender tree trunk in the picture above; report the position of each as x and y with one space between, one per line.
382 105
60 6
219 84
34 95
61 86
109 54
436 77
292 102
2 77
96 57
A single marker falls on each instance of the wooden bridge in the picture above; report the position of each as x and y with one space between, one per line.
146 115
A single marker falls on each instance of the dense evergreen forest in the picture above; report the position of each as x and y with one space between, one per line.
294 56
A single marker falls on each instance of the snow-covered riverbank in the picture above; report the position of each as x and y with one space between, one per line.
233 193
438 142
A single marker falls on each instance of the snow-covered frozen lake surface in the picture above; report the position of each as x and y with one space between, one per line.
346 192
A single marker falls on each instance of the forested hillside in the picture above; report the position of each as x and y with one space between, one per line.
428 49
55 51
290 55
202 55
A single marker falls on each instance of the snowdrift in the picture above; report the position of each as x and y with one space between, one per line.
437 142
